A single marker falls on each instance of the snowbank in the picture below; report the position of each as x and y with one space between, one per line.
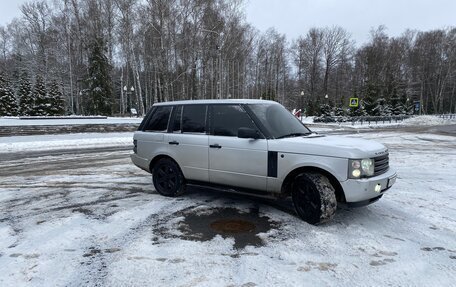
64 141
15 121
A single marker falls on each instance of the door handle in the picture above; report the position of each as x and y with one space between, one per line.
174 143
215 146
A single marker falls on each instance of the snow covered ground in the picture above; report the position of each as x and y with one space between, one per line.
94 219
15 144
15 121
427 120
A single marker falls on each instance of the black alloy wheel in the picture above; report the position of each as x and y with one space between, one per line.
167 178
314 198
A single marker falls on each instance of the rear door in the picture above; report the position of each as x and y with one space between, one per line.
234 161
151 140
188 141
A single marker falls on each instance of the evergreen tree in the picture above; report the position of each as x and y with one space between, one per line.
382 108
26 99
357 112
56 99
310 108
325 110
369 102
398 103
99 82
338 111
8 104
42 103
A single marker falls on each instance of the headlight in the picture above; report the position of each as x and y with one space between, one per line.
368 166
358 168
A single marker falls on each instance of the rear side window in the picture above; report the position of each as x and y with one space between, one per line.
194 119
227 119
159 120
177 120
146 119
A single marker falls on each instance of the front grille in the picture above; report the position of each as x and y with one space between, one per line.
381 164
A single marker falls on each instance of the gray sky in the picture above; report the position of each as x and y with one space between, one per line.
9 9
295 17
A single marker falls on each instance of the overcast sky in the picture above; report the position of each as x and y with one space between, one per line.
295 17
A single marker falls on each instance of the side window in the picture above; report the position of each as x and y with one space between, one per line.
194 119
146 119
176 127
227 119
159 120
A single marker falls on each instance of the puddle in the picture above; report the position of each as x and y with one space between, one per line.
243 227
232 226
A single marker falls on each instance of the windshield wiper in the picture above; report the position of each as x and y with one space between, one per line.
294 135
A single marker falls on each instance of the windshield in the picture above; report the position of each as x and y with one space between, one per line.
279 121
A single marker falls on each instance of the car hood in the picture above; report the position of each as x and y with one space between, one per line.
335 146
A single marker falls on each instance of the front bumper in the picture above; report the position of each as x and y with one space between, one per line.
357 190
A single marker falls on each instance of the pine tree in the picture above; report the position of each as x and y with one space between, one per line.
398 103
326 110
99 82
338 111
56 98
357 112
382 108
8 104
42 103
26 99
369 102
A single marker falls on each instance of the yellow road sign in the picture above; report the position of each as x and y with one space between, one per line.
354 102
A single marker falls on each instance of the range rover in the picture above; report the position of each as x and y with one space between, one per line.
258 147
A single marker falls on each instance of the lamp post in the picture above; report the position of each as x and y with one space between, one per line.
302 103
81 100
132 89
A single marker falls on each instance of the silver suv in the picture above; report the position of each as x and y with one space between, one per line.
258 147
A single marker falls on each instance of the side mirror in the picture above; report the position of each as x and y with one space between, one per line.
248 133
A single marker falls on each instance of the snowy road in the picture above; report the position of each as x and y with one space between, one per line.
87 216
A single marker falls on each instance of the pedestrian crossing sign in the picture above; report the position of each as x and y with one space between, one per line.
354 102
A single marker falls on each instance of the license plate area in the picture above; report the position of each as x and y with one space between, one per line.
391 180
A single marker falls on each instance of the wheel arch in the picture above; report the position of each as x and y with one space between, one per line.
286 186
159 157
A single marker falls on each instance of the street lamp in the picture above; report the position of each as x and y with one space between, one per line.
132 89
302 103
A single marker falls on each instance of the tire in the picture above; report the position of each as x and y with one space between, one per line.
314 198
168 178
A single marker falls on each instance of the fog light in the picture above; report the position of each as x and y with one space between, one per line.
378 188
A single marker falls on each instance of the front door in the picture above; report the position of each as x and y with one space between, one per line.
234 161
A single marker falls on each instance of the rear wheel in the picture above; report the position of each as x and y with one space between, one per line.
314 198
168 178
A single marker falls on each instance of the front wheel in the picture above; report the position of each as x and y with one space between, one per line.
314 197
168 178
